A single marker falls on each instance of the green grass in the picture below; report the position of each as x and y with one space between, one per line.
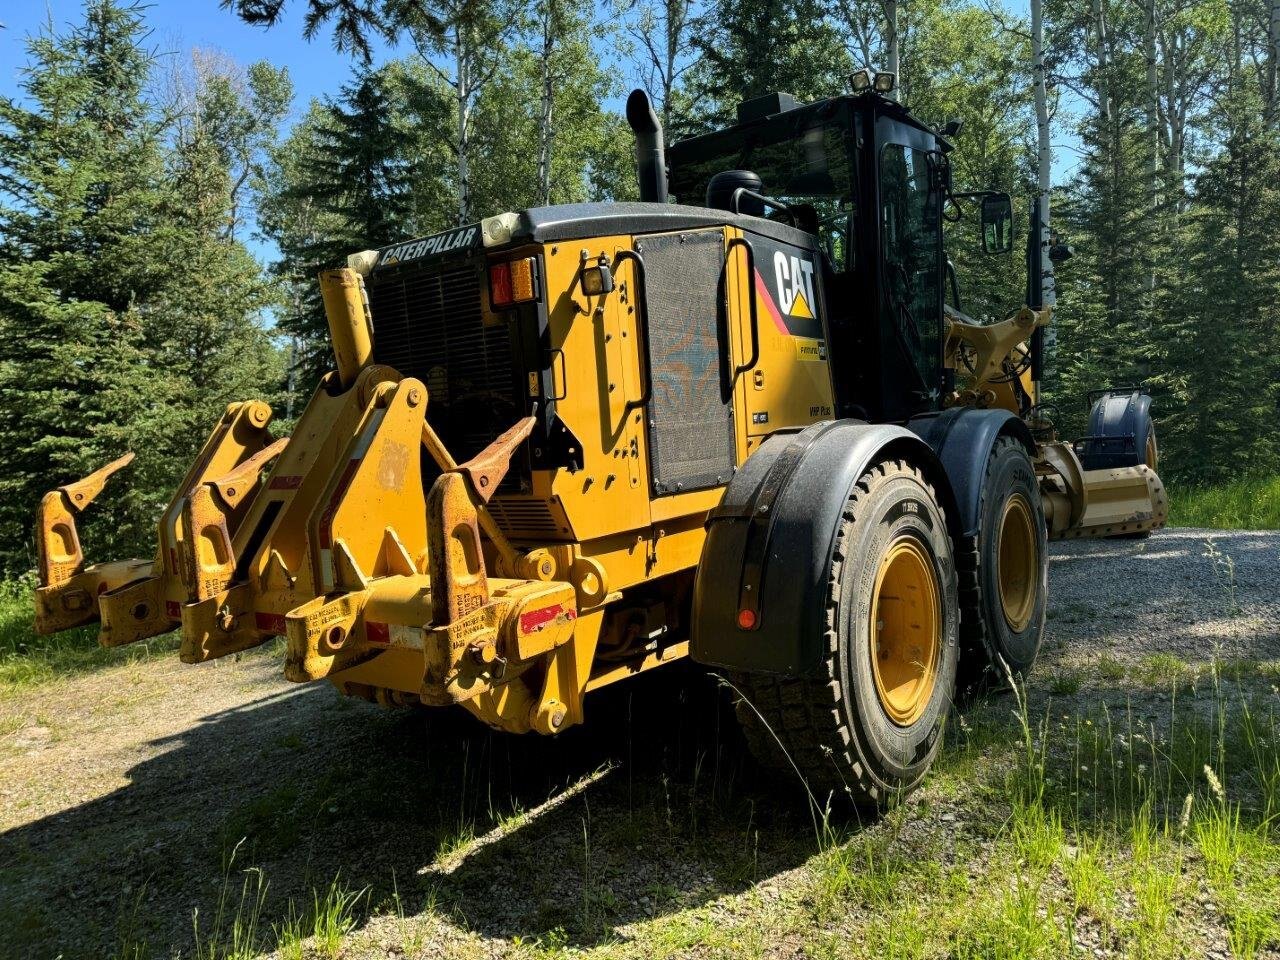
1251 503
1069 826
234 931
27 659
1145 807
1074 819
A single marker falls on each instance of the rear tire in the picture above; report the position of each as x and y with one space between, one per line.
870 726
1004 574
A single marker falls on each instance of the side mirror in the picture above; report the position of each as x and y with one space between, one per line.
997 223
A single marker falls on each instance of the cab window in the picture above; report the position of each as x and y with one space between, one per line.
910 238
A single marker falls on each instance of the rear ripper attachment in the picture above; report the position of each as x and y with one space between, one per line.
136 599
331 539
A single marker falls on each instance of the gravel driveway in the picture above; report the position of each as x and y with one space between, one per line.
1183 592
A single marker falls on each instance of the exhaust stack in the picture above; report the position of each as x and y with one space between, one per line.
651 160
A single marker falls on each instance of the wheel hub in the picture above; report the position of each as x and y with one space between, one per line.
906 630
1016 563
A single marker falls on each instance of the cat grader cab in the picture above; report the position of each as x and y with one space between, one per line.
567 445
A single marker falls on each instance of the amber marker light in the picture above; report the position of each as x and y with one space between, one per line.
512 282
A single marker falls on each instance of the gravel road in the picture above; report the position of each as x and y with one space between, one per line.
1184 592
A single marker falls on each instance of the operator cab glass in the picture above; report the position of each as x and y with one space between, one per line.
910 207
804 159
866 178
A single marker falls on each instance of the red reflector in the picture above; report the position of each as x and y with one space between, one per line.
746 619
500 294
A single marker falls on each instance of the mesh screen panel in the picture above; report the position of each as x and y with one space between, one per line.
690 429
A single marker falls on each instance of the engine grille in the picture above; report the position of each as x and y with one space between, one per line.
428 323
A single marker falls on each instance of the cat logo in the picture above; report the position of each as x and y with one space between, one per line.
793 278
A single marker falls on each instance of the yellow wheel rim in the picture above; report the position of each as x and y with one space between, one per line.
1153 452
906 631
1017 563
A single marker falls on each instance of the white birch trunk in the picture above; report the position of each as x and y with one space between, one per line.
462 93
1153 161
1273 62
1100 35
673 26
544 123
891 44
1174 112
1044 148
1153 106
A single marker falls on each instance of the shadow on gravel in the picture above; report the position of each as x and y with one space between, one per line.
652 806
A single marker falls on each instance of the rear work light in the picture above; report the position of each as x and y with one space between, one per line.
513 281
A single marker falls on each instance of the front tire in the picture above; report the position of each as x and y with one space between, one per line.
872 724
1004 574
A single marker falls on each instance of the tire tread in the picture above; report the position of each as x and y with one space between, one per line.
806 715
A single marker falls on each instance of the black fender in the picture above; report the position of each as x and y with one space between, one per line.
769 544
962 438
1119 424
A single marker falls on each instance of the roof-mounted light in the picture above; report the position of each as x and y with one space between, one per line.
885 81
860 80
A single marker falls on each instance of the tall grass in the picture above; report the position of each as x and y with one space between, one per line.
1123 805
233 932
1250 503
27 659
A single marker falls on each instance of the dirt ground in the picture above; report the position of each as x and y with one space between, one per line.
123 792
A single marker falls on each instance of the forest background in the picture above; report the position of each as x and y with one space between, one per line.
163 213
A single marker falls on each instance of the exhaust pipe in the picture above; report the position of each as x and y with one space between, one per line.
651 160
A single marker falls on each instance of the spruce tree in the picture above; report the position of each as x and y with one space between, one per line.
753 48
79 169
129 316
1222 348
208 326
1104 324
342 183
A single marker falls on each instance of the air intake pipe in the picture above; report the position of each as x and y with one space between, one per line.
651 159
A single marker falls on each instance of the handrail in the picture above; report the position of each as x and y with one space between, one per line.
642 327
751 299
767 201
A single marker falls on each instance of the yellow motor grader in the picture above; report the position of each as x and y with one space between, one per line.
570 444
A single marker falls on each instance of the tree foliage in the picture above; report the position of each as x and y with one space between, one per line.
132 311
129 316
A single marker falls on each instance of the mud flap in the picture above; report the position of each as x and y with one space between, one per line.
758 593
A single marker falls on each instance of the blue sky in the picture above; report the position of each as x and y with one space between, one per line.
178 25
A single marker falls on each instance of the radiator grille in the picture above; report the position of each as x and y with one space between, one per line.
428 323
526 518
691 444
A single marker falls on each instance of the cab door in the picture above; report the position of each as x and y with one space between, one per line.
910 267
